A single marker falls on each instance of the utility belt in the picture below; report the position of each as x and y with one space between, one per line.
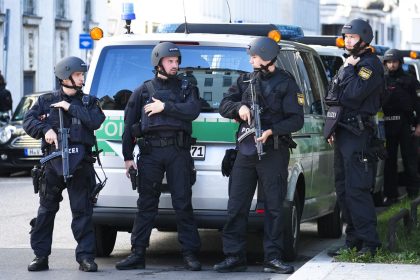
357 124
276 140
179 139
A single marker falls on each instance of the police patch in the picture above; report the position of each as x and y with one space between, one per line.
364 73
301 99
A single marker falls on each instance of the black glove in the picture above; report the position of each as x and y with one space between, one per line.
228 161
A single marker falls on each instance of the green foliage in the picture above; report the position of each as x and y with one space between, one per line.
408 244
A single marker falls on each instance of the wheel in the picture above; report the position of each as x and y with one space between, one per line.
105 240
331 225
292 229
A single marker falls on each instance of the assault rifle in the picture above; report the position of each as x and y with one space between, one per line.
255 115
64 148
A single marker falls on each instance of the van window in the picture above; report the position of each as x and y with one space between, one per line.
317 86
121 69
332 64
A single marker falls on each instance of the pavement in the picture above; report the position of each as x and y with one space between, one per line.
323 267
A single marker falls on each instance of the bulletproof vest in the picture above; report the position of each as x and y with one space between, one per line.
79 134
161 121
399 87
268 97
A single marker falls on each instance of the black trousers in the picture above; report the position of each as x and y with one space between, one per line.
353 181
271 172
176 162
79 189
398 134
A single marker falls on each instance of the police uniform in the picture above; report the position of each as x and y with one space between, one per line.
361 86
164 147
399 118
282 112
83 117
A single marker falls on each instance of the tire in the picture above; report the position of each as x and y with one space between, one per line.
105 240
331 225
291 233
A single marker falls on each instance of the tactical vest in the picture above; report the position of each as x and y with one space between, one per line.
161 121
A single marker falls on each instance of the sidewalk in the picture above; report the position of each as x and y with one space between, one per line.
323 267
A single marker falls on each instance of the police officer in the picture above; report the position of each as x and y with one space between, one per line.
82 115
164 108
399 108
6 102
281 102
359 88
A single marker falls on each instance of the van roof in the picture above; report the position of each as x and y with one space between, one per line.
225 40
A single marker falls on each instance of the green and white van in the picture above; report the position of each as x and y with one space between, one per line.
215 61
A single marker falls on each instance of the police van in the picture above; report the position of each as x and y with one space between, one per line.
213 62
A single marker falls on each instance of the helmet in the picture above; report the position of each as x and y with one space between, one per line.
68 66
360 27
392 54
264 47
165 49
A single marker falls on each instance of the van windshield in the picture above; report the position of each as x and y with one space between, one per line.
121 69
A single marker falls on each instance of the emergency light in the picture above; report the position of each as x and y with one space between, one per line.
128 15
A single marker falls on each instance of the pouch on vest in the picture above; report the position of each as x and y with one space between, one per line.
331 122
76 155
246 141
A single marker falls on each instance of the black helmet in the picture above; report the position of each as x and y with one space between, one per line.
392 54
164 49
264 47
360 27
68 66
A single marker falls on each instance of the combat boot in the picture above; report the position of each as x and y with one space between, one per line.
191 261
349 245
135 260
278 266
39 264
87 265
232 263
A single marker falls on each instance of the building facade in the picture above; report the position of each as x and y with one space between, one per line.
37 34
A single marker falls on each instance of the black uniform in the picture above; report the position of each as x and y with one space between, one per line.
402 102
164 147
5 99
282 113
359 95
83 117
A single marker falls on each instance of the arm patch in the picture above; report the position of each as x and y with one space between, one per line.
364 73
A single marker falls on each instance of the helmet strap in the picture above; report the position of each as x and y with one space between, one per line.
264 68
159 69
73 86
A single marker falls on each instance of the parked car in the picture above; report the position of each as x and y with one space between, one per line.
215 61
19 151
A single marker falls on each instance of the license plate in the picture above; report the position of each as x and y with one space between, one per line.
33 152
198 152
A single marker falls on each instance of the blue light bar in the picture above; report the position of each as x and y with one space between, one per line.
289 31
128 11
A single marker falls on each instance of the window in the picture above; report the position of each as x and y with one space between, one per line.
332 64
61 9
207 95
28 82
331 29
29 7
208 82
391 33
227 81
214 69
318 86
